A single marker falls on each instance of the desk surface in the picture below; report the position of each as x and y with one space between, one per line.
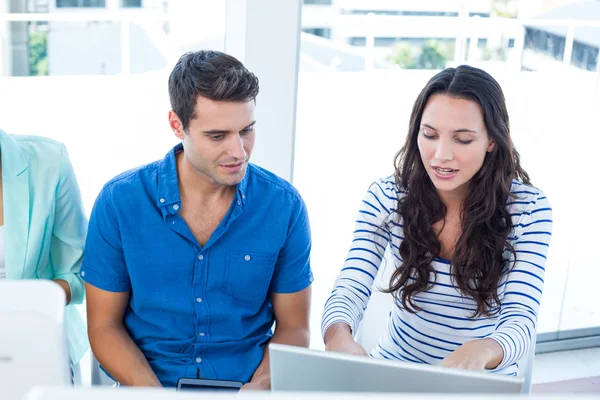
582 385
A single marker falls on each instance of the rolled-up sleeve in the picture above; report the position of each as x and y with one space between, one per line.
69 231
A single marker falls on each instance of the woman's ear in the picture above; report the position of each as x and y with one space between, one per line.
491 146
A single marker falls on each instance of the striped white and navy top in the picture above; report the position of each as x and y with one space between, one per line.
445 321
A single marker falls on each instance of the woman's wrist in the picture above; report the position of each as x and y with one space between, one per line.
494 353
339 329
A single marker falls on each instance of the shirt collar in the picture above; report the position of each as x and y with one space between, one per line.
167 198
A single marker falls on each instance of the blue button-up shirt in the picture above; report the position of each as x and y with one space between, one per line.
196 309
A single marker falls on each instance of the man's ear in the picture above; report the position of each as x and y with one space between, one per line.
176 125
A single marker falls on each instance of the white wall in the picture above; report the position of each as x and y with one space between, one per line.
265 35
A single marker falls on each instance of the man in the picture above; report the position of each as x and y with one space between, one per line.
191 259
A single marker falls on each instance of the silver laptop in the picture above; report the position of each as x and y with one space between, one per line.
300 369
33 342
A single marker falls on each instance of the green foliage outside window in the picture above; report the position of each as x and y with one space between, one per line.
38 53
433 54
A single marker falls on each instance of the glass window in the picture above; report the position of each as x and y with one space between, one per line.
81 3
353 117
400 13
322 32
326 2
585 56
358 41
131 3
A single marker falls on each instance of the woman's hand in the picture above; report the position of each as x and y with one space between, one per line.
258 383
476 355
338 338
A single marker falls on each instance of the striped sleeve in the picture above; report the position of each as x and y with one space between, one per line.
516 328
352 288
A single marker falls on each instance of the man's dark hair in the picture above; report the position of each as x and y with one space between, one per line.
211 74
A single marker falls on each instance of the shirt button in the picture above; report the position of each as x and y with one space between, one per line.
201 257
201 334
176 207
198 360
239 203
162 200
199 300
82 273
247 258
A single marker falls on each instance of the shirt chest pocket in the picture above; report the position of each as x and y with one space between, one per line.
248 274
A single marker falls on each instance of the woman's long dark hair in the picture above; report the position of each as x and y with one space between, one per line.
477 262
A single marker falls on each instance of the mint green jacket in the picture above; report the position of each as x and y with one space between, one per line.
44 222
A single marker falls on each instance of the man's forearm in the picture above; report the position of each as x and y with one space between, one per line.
291 336
121 357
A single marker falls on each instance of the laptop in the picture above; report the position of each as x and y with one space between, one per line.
135 393
301 369
33 343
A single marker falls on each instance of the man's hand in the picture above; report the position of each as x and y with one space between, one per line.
476 355
339 339
292 312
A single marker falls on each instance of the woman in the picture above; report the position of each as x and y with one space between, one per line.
42 223
467 231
